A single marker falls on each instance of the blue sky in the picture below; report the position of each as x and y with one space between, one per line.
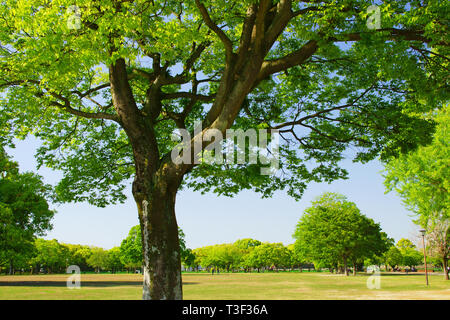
208 219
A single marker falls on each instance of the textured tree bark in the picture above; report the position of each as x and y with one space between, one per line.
160 242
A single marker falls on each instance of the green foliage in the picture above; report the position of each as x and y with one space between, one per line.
78 255
24 211
131 248
98 259
348 95
334 232
269 255
113 261
247 244
393 257
411 257
404 244
422 177
244 254
188 260
50 255
403 254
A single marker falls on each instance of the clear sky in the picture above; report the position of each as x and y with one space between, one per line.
208 219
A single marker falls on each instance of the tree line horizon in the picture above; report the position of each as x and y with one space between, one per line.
243 255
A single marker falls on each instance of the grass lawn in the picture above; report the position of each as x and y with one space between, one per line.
254 286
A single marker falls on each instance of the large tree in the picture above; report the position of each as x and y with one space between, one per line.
334 232
24 212
422 179
105 84
131 249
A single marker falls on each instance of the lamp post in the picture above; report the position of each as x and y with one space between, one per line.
422 231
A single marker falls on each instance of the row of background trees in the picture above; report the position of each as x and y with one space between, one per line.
247 255
51 256
358 241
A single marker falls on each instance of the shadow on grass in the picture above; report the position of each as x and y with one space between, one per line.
94 284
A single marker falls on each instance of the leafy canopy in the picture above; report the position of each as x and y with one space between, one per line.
326 82
422 177
24 210
333 231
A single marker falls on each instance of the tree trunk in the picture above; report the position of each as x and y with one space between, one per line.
345 266
445 265
155 200
354 268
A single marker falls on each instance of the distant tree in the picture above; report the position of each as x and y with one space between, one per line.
188 260
379 257
281 256
113 261
50 255
207 257
131 249
230 255
334 232
185 253
256 258
268 255
98 259
422 177
24 212
404 243
297 259
246 244
438 242
411 257
393 257
78 255
200 257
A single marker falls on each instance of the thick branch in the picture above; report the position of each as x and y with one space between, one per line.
293 59
88 115
208 21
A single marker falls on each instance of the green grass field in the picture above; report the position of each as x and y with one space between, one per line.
254 286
